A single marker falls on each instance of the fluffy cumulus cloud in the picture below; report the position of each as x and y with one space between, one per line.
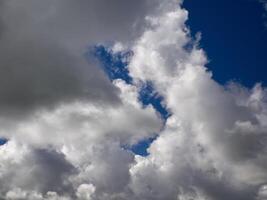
69 127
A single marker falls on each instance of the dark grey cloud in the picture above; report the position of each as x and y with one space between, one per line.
50 169
40 169
42 47
35 74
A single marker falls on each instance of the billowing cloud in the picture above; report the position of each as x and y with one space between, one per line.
213 145
68 126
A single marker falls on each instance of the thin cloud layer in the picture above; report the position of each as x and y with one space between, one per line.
67 124
264 4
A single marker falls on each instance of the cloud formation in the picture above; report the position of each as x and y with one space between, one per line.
67 124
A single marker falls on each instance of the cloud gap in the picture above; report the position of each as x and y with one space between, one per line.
115 64
3 141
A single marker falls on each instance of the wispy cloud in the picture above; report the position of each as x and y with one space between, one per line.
264 4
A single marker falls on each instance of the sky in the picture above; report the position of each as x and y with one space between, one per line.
234 38
130 100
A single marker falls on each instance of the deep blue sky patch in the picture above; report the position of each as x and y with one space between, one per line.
148 95
234 37
2 141
115 66
141 147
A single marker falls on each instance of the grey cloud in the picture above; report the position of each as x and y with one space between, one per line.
90 20
42 47
38 169
40 74
51 170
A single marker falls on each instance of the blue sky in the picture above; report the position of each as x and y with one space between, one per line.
233 36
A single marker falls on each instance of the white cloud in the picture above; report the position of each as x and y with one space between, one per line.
85 191
215 139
